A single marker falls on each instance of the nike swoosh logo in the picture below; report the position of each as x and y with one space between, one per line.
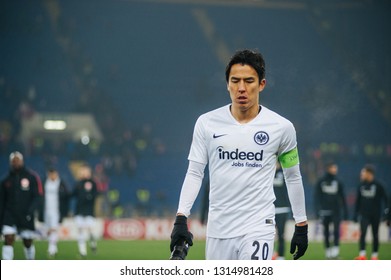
217 136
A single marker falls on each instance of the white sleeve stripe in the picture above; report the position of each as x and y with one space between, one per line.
295 188
191 187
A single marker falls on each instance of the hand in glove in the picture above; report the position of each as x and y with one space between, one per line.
180 232
299 242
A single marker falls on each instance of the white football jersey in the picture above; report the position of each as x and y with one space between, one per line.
242 163
52 204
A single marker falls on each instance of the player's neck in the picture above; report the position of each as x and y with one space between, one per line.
245 116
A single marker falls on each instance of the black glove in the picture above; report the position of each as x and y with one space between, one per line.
180 233
180 251
299 240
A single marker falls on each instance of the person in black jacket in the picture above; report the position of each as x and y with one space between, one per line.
282 211
85 193
371 203
55 207
20 197
330 206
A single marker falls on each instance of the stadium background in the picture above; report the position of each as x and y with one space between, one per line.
144 70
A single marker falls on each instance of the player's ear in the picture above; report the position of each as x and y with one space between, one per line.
262 85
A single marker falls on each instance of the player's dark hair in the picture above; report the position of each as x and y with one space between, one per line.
52 169
370 168
330 163
247 57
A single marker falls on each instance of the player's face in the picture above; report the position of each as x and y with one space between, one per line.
85 173
366 176
333 169
53 175
16 163
244 87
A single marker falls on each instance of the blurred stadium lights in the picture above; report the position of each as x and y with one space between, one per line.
54 124
70 127
85 138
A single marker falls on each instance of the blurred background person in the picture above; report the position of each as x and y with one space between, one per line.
85 193
282 211
102 183
371 203
20 196
330 207
55 207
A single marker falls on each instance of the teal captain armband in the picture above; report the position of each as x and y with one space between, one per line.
289 159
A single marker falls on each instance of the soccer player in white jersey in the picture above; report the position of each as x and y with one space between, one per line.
241 142
56 204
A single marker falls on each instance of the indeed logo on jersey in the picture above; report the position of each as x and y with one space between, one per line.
240 155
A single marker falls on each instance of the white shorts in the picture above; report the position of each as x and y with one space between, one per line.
252 246
24 234
84 222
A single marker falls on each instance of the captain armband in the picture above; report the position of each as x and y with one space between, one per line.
289 159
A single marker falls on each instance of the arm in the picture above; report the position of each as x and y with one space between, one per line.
290 164
2 203
296 194
384 198
343 201
357 206
37 194
65 195
94 189
317 199
41 208
288 156
190 189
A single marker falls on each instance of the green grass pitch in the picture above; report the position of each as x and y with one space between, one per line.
159 250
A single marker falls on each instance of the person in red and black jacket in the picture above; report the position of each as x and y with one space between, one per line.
20 197
85 193
371 204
